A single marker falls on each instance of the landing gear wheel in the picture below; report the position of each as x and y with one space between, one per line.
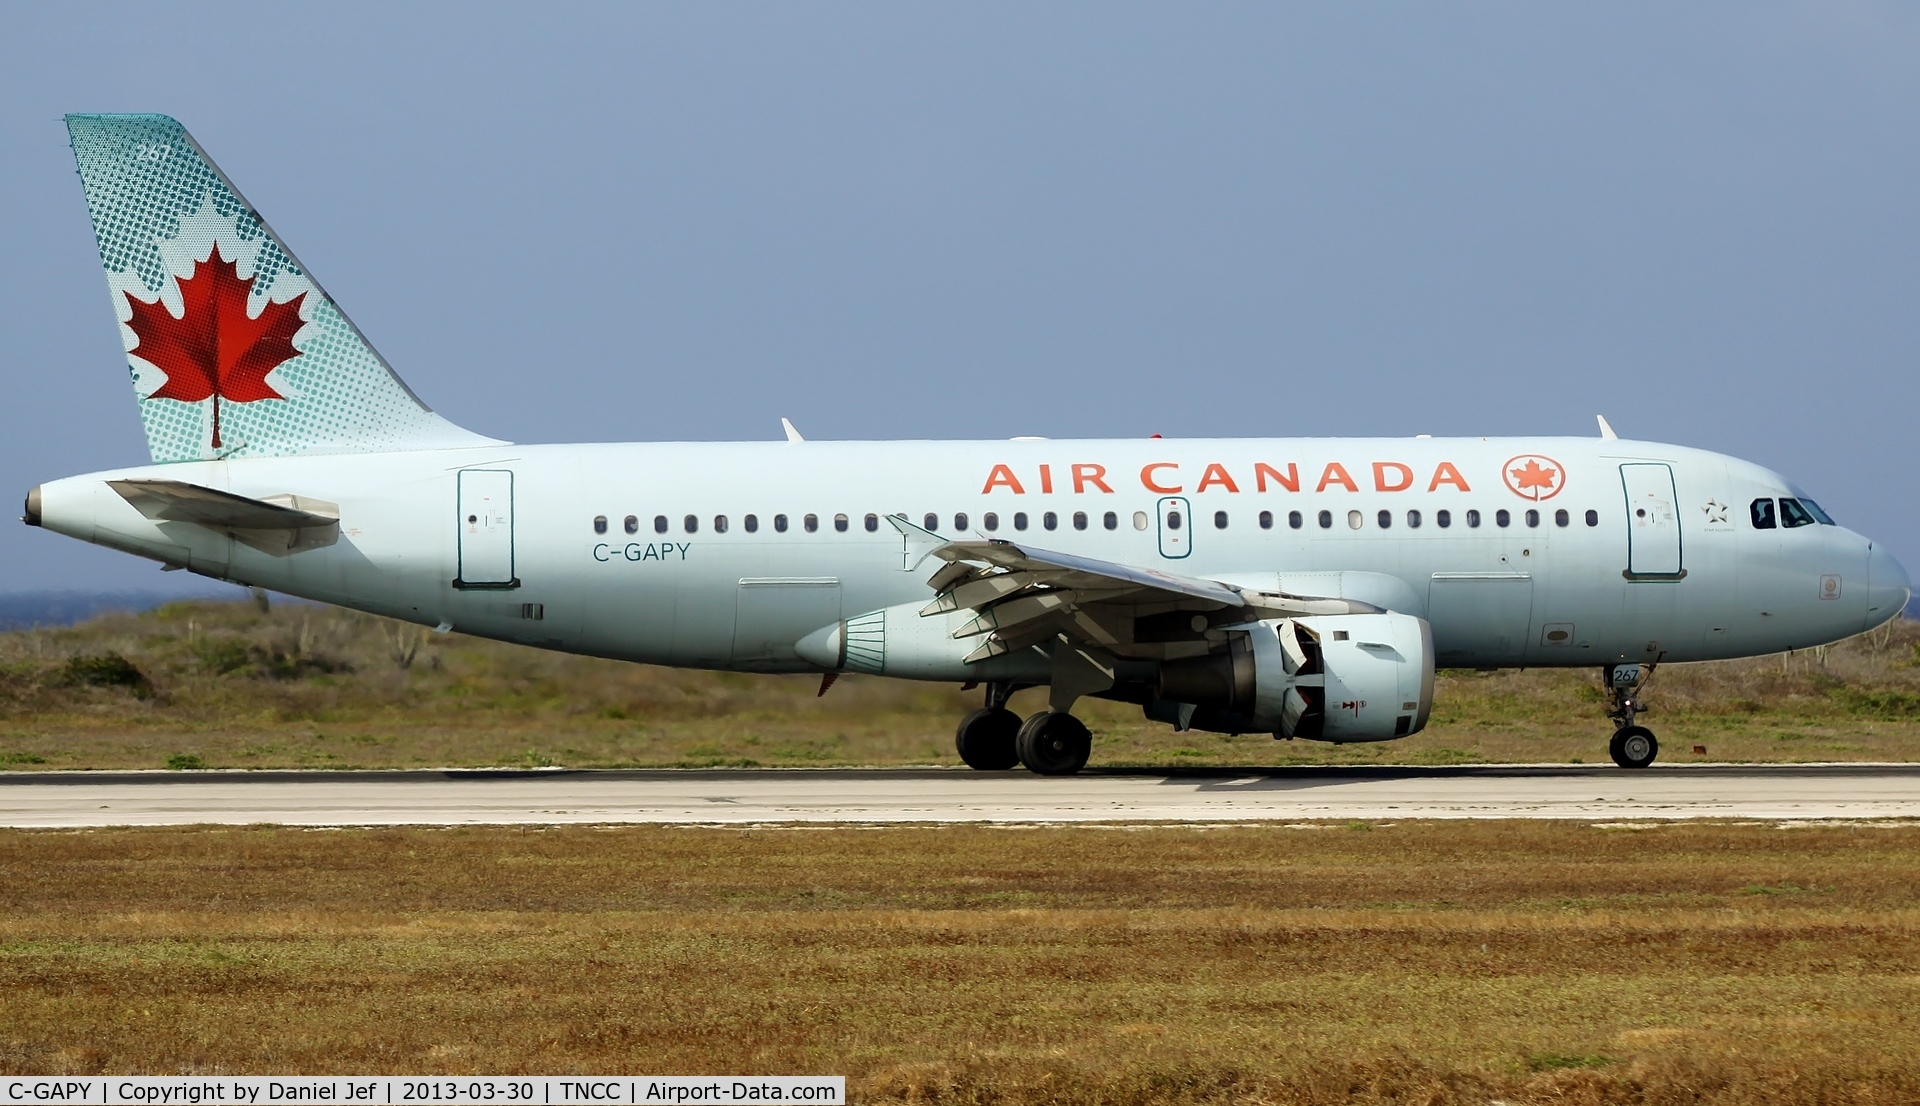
1633 747
1054 743
986 737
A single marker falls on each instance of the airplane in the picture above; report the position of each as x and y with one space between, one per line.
1302 587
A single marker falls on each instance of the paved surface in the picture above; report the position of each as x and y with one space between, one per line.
933 795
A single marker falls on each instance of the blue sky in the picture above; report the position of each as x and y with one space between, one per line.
685 221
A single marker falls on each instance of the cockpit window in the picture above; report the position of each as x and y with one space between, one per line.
1814 510
1793 514
1762 511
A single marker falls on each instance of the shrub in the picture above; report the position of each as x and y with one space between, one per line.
185 762
105 670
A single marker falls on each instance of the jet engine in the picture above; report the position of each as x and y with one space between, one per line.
1356 677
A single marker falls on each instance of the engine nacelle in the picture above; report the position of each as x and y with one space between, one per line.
897 641
1353 677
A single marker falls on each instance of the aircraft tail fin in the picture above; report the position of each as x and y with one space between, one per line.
235 350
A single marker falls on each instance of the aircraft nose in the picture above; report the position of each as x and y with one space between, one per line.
1888 588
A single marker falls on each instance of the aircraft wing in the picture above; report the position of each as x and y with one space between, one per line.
1023 596
279 525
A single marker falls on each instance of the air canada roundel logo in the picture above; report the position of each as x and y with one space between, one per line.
1533 476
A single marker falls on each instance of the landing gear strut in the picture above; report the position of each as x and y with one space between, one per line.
1632 746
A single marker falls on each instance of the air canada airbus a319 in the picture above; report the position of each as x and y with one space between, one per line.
1303 587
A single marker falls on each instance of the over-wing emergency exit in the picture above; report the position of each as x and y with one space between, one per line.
1305 588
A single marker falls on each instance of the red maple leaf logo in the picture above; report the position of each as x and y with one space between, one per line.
1533 476
215 350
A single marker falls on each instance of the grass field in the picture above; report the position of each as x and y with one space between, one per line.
1419 962
229 685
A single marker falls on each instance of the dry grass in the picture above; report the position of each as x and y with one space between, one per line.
227 685
1420 962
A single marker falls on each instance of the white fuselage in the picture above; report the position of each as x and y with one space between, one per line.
1671 566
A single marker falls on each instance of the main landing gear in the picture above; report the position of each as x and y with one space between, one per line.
1632 746
1052 743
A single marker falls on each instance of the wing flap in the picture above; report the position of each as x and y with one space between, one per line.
1023 597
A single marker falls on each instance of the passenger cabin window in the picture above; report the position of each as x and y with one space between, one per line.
1473 520
599 524
960 521
751 523
1413 520
1385 519
1326 520
1294 520
931 522
1219 520
840 523
1110 520
1793 515
1019 520
691 523
1533 517
1139 520
1593 518
779 524
1443 518
1561 517
719 524
1079 520
990 521
1502 518
1355 520
1173 520
871 522
632 524
659 524
1050 521
1266 520
811 524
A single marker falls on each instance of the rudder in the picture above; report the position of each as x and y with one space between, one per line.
235 350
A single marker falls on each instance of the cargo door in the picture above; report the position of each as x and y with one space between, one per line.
772 612
1653 522
1176 528
1480 619
486 529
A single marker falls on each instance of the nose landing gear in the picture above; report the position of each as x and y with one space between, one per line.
1632 746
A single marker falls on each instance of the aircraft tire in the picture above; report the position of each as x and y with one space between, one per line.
1054 743
986 738
1633 747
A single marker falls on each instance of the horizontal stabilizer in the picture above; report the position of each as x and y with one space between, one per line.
280 524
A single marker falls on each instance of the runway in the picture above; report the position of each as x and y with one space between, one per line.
1773 792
